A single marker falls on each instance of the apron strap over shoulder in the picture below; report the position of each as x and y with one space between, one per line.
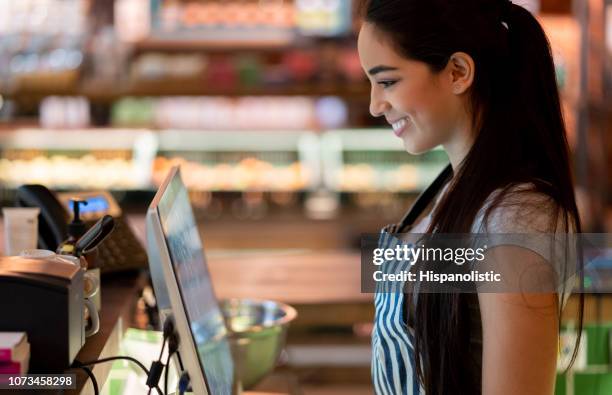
423 200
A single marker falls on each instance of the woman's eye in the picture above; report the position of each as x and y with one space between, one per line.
386 84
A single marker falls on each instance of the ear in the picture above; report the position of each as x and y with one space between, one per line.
461 70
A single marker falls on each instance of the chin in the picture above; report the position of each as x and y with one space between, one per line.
416 147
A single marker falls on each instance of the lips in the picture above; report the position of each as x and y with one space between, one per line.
399 126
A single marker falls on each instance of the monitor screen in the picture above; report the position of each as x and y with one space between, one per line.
194 284
95 204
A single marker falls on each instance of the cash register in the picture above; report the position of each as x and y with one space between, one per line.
183 289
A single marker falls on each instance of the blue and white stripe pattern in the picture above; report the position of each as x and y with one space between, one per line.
393 361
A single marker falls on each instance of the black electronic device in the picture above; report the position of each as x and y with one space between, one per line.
44 298
120 251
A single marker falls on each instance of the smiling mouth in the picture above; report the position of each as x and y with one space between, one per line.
399 126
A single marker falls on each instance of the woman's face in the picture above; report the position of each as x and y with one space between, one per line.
421 106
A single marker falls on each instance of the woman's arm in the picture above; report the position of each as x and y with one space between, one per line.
520 332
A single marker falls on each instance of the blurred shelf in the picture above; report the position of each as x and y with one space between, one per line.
113 159
375 161
210 44
599 107
260 44
241 141
77 139
149 189
556 7
358 162
109 91
199 88
378 139
10 189
12 125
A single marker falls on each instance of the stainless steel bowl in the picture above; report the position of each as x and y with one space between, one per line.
257 333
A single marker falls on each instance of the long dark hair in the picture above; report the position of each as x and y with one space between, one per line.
519 137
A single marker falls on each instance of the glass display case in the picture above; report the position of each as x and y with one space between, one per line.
110 159
240 161
349 161
374 160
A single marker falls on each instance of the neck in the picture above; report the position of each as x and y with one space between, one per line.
459 145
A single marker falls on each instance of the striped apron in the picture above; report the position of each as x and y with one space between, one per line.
393 360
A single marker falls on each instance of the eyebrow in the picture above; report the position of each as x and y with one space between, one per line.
380 69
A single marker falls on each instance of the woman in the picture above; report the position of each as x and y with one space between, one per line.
477 78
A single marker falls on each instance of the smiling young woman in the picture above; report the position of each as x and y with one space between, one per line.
477 78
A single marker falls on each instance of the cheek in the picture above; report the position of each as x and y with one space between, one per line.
415 97
431 110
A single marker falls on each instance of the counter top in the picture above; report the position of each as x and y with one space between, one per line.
295 278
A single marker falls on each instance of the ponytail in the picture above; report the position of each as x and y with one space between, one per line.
536 96
539 101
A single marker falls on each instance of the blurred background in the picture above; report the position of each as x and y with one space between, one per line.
265 105
263 102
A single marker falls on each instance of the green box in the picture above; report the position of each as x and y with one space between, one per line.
598 344
593 383
561 384
584 383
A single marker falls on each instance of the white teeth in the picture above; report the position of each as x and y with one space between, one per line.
399 124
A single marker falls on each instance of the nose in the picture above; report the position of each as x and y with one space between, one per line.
378 106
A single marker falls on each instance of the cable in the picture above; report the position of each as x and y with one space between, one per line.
173 345
171 336
180 360
94 382
137 362
156 369
166 374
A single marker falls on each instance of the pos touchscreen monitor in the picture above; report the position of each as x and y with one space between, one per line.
183 288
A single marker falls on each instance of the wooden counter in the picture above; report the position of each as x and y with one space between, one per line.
325 287
119 298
